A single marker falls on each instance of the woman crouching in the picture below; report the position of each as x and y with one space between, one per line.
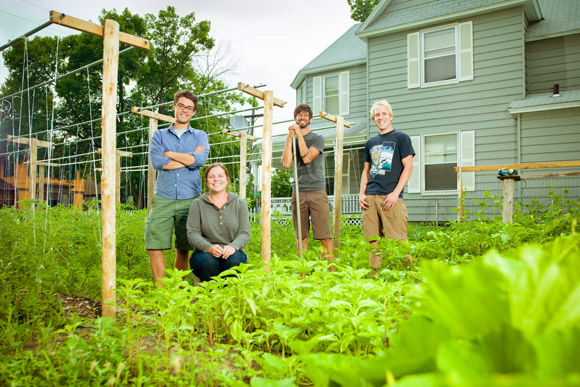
218 226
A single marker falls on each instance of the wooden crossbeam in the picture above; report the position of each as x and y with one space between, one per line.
154 115
258 93
238 134
26 141
554 164
332 118
95 29
119 153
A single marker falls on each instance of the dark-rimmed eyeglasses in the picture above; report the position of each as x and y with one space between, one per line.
181 106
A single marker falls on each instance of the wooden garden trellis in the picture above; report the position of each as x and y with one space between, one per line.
508 181
34 164
112 37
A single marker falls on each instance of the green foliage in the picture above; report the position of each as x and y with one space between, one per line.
361 9
461 315
282 183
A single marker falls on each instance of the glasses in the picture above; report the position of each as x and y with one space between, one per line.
181 106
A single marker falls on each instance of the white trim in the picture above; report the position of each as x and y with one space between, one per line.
543 108
414 185
316 95
553 35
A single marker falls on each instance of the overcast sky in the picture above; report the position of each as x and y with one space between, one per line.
271 39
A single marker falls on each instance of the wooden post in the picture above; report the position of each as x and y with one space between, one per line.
508 199
118 177
266 175
110 73
152 173
460 207
243 156
244 137
338 156
41 182
33 167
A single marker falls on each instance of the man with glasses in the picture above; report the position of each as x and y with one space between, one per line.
177 153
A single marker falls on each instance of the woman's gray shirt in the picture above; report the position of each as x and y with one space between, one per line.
208 225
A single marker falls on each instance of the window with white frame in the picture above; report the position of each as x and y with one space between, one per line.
436 156
440 160
331 94
440 56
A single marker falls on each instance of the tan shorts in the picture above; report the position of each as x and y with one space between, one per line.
390 224
313 208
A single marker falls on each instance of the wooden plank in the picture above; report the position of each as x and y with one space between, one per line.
108 182
508 200
95 29
545 175
33 168
154 115
118 152
41 182
556 164
259 94
267 175
334 119
152 173
44 164
238 134
243 153
26 141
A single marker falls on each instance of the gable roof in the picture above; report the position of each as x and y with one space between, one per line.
561 18
345 51
381 20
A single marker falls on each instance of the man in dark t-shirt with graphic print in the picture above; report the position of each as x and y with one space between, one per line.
388 164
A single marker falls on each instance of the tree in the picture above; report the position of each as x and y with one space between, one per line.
180 58
282 183
361 9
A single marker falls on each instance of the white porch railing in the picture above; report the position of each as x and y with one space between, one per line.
349 205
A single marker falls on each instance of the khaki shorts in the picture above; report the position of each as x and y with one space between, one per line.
390 224
165 216
313 208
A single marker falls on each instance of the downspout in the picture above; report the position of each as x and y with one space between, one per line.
368 114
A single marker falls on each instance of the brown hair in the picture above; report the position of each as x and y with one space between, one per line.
302 108
216 165
187 94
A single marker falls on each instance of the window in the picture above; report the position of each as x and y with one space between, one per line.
440 56
439 59
331 94
436 156
330 101
440 161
